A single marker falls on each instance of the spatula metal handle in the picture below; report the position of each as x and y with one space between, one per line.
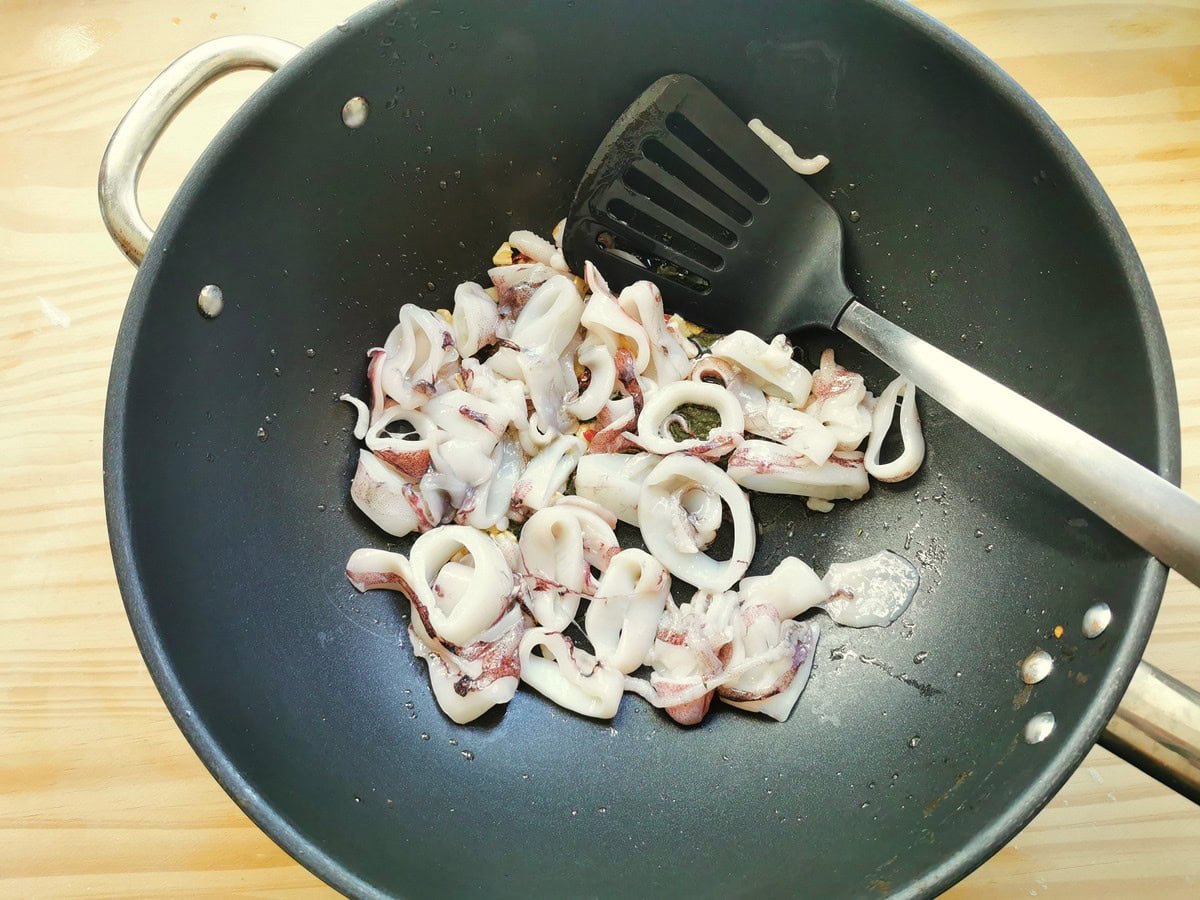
1147 509
1157 726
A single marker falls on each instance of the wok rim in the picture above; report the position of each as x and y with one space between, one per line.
952 868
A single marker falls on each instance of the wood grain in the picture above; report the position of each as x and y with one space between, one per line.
99 793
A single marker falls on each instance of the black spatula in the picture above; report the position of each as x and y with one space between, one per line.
682 193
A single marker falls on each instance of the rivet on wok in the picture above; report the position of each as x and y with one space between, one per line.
1039 728
211 301
354 113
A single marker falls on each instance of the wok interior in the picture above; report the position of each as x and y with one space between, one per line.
891 771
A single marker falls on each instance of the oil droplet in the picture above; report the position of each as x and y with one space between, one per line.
864 804
409 705
854 215
310 352
358 799
424 736
452 742
320 507
524 776
430 286
1036 666
211 301
443 185
468 755
921 657
933 276
603 810
1096 620
262 433
574 813
1039 728
277 371
989 548
354 113
913 741
343 25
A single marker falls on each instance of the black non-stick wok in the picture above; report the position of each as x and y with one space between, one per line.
969 220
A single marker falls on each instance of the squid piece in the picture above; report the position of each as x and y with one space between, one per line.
749 396
467 681
506 393
839 402
419 356
871 591
770 366
913 454
669 361
559 547
688 656
663 517
622 619
568 676
653 433
516 284
538 249
461 469
798 164
546 324
795 429
791 589
479 676
631 385
614 481
601 381
608 324
469 418
476 319
459 620
546 475
490 503
362 419
550 379
589 506
369 569
775 657
775 469
387 499
409 454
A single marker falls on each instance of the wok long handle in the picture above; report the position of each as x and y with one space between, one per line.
139 130
1158 725
1157 728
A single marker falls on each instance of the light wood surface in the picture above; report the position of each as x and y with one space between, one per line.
99 793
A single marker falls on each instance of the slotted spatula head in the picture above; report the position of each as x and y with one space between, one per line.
730 234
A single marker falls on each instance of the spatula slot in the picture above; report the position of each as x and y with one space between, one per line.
643 184
631 251
704 147
659 154
658 232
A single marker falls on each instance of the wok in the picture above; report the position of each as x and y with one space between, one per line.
227 462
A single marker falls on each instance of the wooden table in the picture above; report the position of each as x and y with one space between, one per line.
99 793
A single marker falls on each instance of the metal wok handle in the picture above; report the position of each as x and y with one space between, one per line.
141 127
1158 724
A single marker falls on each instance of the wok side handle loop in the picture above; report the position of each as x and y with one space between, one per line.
1157 728
150 114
